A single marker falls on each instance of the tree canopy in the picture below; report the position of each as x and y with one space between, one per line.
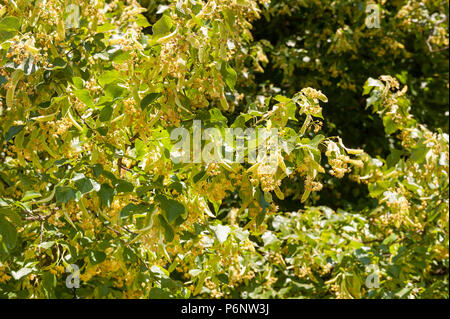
353 204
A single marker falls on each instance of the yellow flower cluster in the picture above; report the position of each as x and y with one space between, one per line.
268 182
216 189
303 271
312 185
56 270
3 276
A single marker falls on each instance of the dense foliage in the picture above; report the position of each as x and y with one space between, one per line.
359 192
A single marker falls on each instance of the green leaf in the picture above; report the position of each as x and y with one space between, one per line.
58 63
239 122
120 56
86 185
96 257
168 231
49 284
149 99
124 187
305 195
64 194
389 240
394 157
389 125
129 255
106 194
108 77
30 195
291 108
378 188
8 233
158 293
282 99
2 80
217 116
132 209
78 82
140 149
105 27
229 75
223 278
106 113
316 141
264 205
97 169
410 184
14 216
162 26
114 90
200 176
9 24
171 207
230 18
141 21
84 96
13 130
418 154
